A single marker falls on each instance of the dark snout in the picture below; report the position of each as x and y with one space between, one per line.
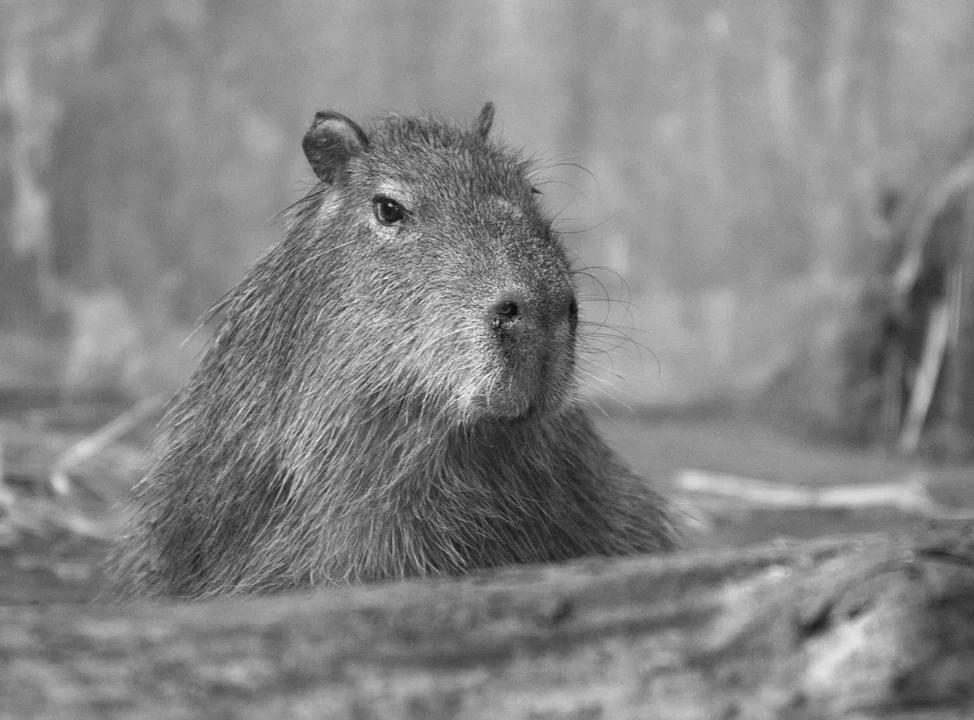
533 339
517 315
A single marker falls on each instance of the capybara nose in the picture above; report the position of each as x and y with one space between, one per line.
510 313
514 313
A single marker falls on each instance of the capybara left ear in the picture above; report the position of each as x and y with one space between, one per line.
485 120
330 142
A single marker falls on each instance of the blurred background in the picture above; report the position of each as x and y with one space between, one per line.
774 194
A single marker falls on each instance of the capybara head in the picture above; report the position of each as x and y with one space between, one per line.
391 390
446 291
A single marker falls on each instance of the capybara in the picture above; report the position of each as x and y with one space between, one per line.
391 391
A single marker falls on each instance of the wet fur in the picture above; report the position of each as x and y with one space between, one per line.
340 426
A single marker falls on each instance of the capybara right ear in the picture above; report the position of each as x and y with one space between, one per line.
485 120
330 142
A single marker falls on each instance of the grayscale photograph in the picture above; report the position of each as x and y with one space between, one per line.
531 360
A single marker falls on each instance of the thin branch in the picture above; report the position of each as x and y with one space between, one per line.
925 382
90 446
909 497
959 178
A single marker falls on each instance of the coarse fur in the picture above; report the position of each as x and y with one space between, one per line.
383 400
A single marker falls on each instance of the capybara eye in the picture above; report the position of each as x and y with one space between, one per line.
535 191
387 211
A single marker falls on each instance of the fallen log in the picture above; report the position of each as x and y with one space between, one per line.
874 626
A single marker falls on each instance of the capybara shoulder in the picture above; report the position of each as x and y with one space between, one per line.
390 391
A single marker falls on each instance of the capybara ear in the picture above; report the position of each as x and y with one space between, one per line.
485 120
330 142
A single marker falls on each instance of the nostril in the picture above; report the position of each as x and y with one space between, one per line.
573 313
507 310
506 313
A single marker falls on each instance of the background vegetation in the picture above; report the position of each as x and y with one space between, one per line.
736 154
